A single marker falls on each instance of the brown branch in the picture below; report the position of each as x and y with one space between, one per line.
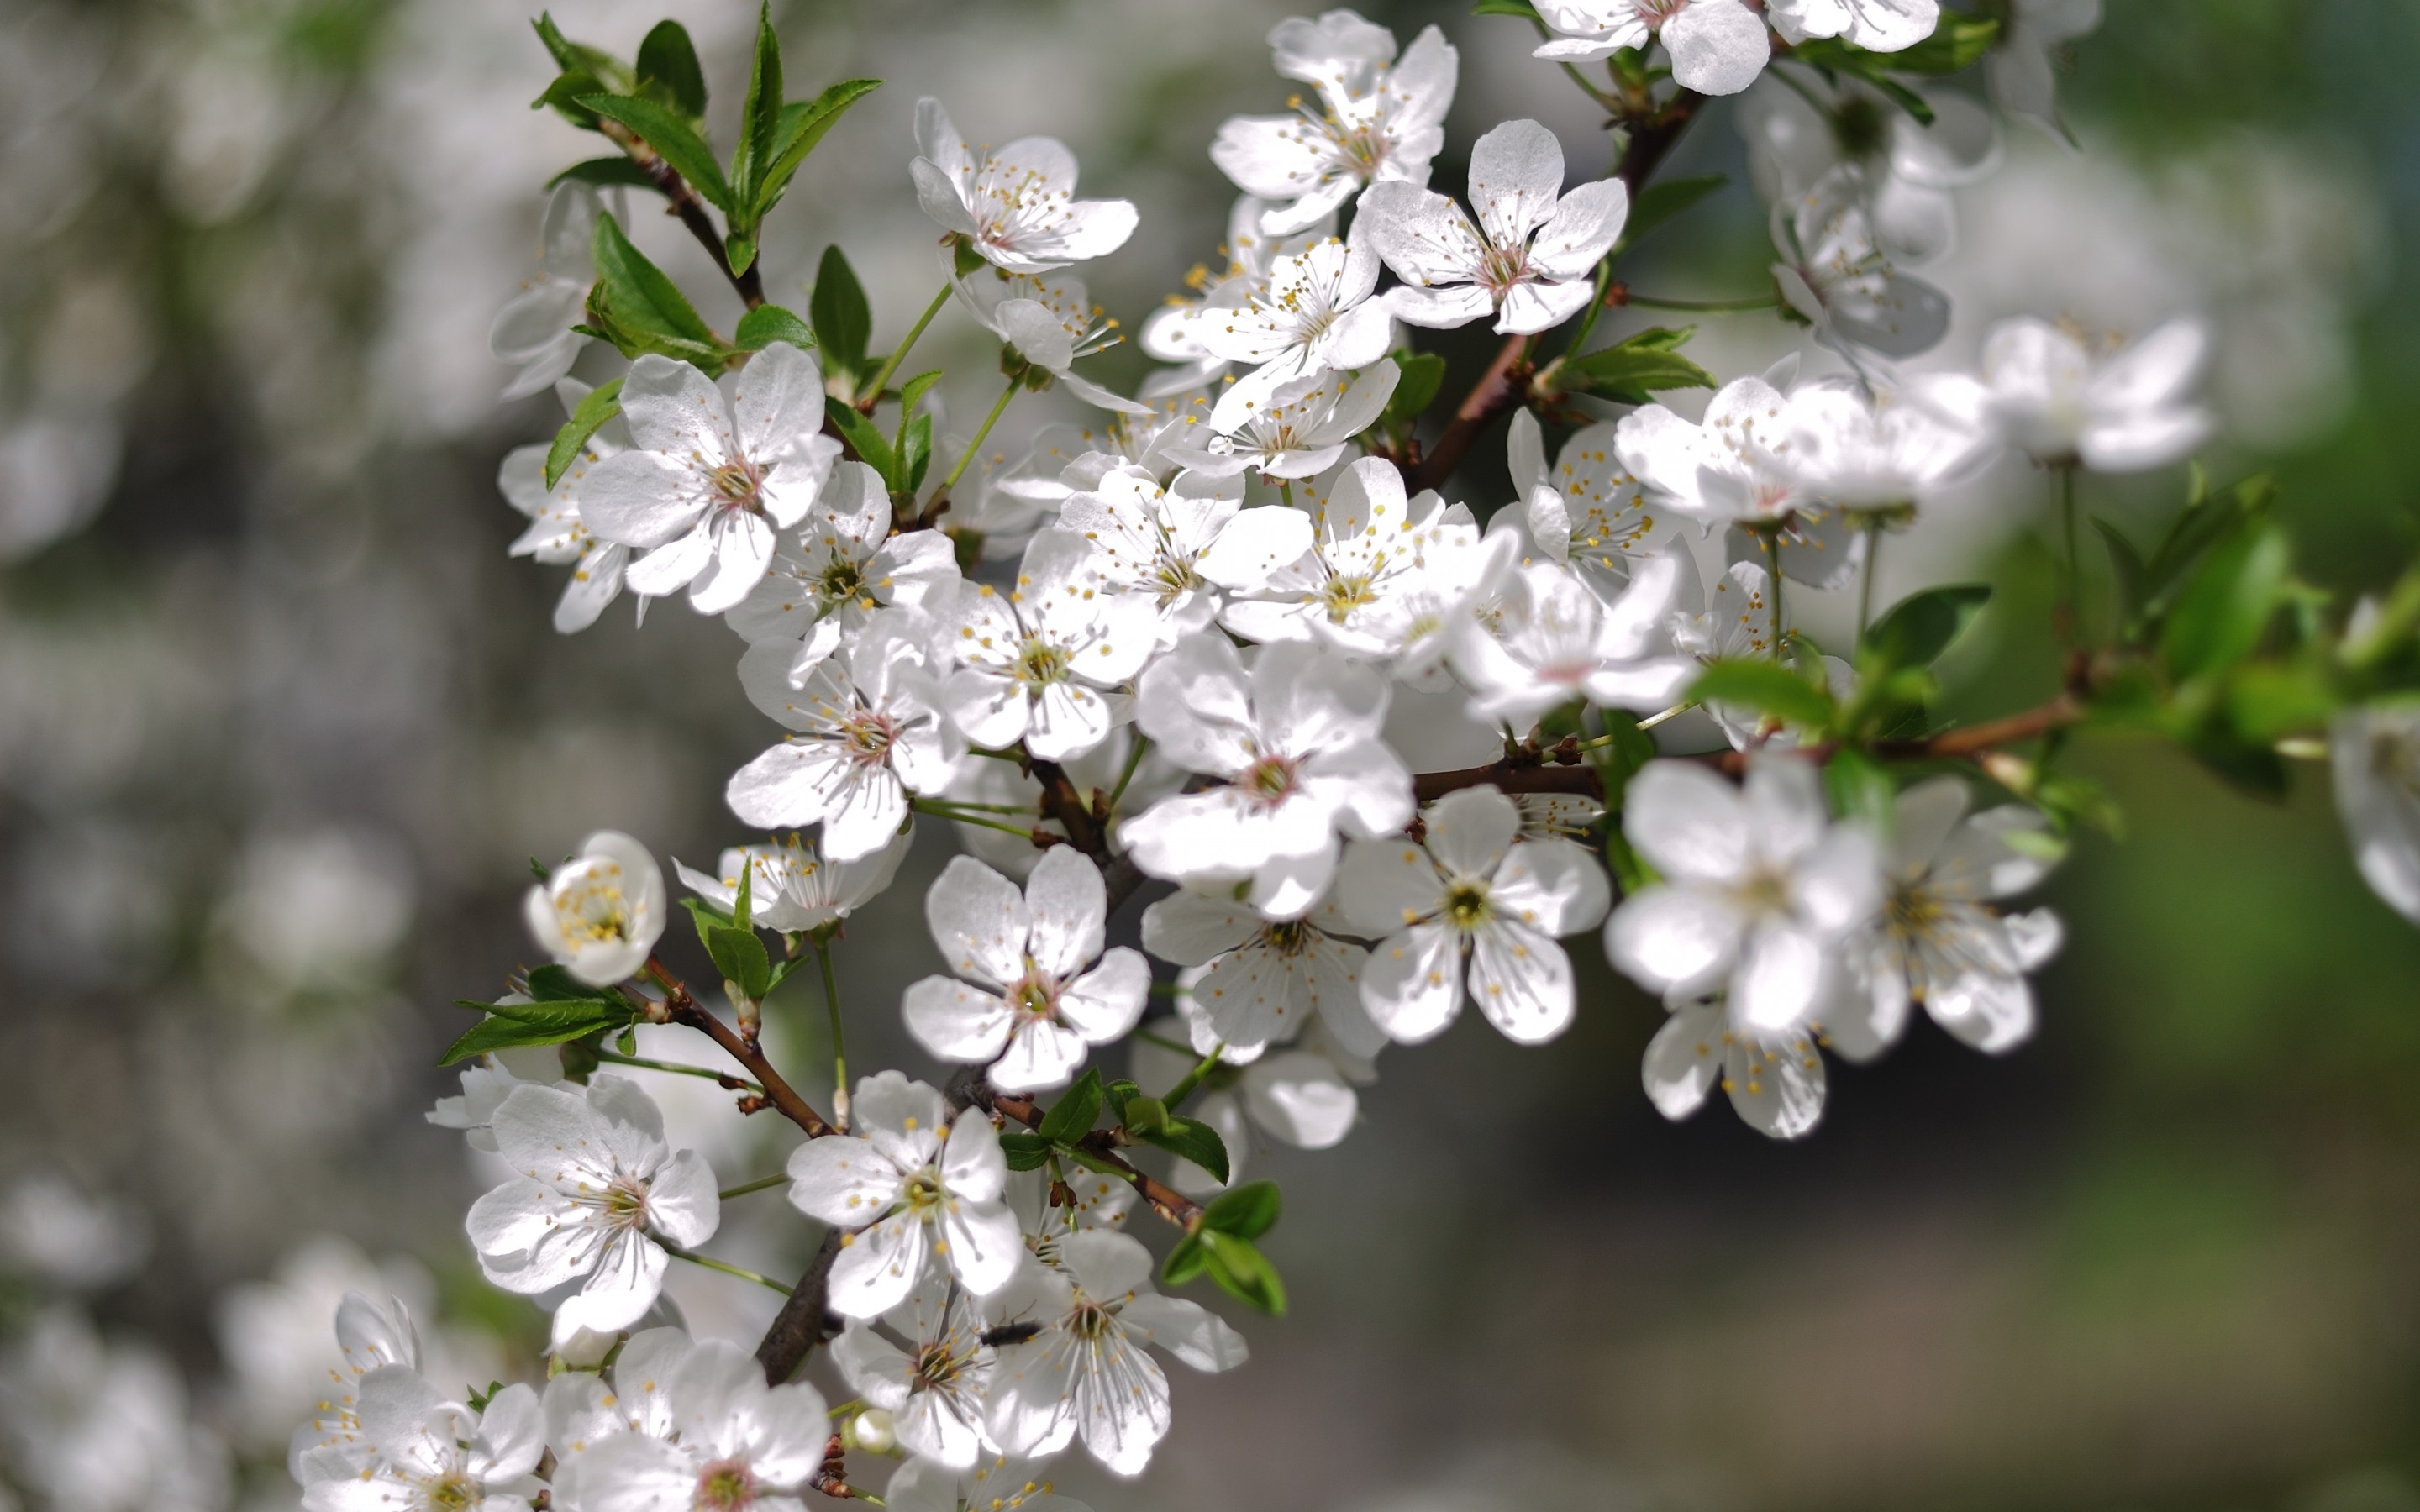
1088 828
1165 1200
685 1008
683 202
1969 740
805 1321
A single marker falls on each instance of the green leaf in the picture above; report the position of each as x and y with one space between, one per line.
803 125
844 321
1424 374
760 120
739 955
556 984
917 388
1956 44
1194 1140
1833 56
1632 369
1243 1271
642 310
1189 1259
2257 769
916 454
1522 8
627 1041
2133 578
578 57
705 915
674 140
1246 1212
859 433
1767 688
1920 627
617 172
2224 606
2208 522
2267 701
738 252
768 323
1072 1117
600 405
1143 1115
1861 789
1025 1151
509 1026
668 70
565 94
743 896
1661 201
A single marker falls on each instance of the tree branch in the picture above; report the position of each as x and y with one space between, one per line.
1088 829
691 210
805 1321
1165 1200
684 1008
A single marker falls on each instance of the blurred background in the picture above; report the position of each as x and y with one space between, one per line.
280 727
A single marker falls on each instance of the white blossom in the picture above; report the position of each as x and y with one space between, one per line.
1760 890
792 888
711 1435
1172 333
1938 940
1875 456
843 565
907 1186
1876 25
1718 47
600 913
533 331
1473 893
1737 625
1774 1078
934 1389
1177 548
1301 1095
1088 1371
1256 982
1097 774
1905 170
1550 641
330 1444
996 1483
427 1453
1735 464
1316 315
1031 1007
556 532
1379 118
103 1427
1296 740
2375 750
713 471
1531 258
1301 429
598 1195
1033 663
1835 274
486 1083
1016 206
868 731
1589 511
2063 401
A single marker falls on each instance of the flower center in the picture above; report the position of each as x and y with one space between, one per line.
724 1486
1766 892
1466 904
1039 663
1091 1320
2394 757
1911 912
1290 938
1501 267
841 581
1271 779
1343 594
1035 998
935 1367
453 1492
924 1191
866 737
737 483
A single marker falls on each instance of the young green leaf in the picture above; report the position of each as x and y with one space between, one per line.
2209 521
605 172
1246 1212
1243 1271
565 94
859 433
1072 1117
803 124
600 405
674 140
1861 789
556 984
1025 1151
1194 1140
915 453
667 71
1767 688
644 310
578 57
1955 43
705 915
2132 576
768 323
1920 627
1423 374
1522 8
760 120
914 390
1189 1259
739 954
2224 606
510 1025
844 321
1632 369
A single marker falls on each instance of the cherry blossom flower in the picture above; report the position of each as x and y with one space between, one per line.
712 473
533 331
1017 205
1255 982
601 912
792 888
1551 643
1301 1095
1718 47
1835 274
1760 891
1315 316
1876 25
1939 941
2116 409
599 1194
2375 750
1088 1371
1905 170
1529 261
1736 625
996 1483
2019 65
908 1185
1032 662
1775 1078
1172 333
1031 1007
1302 428
934 1389
1101 1201
1380 118
1125 757
1470 893
1296 740
1176 548
486 1083
430 1454
715 1436
1876 457
869 731
1588 511
556 532
841 567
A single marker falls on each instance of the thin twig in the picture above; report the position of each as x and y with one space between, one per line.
692 210
684 1008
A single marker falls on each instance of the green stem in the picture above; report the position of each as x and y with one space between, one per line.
711 1263
840 1053
1866 580
981 431
1177 1094
1285 490
890 363
1133 760
615 1058
760 1184
1163 1041
1672 712
984 807
1765 302
942 812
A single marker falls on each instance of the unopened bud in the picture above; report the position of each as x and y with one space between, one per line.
872 1432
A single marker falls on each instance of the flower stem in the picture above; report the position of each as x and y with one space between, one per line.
1672 712
760 1184
615 1058
981 431
1133 760
711 1263
840 1055
899 354
1866 580
943 811
1762 302
1177 1094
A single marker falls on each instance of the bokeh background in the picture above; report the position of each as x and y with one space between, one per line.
280 727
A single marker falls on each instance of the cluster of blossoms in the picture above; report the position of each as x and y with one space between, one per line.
1387 751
